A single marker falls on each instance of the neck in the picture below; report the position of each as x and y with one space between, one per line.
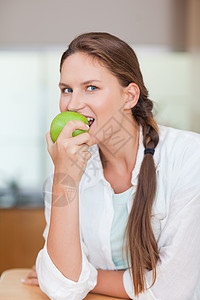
119 152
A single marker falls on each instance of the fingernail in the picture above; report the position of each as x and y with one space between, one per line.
87 125
22 280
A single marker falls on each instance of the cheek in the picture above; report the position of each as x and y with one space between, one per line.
108 107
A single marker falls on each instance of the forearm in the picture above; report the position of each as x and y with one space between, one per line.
63 242
110 283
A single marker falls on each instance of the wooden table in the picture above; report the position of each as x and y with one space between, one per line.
12 288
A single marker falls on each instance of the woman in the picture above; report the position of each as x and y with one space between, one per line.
131 178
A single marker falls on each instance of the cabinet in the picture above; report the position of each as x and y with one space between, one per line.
21 237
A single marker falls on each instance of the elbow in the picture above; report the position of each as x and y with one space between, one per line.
56 286
44 276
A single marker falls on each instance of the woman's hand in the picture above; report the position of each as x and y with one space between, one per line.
31 278
70 154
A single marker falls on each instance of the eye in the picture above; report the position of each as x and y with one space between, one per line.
91 88
67 90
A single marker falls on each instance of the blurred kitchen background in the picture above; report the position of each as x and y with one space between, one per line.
165 35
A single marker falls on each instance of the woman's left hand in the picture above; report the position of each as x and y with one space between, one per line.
31 278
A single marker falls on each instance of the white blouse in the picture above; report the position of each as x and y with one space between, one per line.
175 223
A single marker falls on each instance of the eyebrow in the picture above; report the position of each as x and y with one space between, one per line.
83 83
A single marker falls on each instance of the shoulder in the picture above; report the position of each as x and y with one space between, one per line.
179 157
174 136
178 143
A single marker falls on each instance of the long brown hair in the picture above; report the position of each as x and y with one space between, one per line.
120 59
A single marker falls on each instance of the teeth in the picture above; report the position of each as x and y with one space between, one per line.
90 119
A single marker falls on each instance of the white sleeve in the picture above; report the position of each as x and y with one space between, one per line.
178 272
51 281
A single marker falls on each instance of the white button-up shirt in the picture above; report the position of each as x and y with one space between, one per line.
175 223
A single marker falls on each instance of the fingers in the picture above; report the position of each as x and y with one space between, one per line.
30 281
70 127
83 138
32 274
48 139
31 278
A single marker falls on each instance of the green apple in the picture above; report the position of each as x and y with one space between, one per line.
62 119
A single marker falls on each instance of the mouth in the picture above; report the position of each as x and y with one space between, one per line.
90 120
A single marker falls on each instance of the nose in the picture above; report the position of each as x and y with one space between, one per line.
75 103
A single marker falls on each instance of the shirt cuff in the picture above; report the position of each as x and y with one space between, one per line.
53 283
129 288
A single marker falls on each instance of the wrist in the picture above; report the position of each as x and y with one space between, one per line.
64 189
62 177
63 195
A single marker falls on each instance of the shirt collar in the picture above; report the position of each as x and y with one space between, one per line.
94 170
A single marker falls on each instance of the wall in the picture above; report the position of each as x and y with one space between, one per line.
49 22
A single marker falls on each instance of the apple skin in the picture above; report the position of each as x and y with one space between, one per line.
62 119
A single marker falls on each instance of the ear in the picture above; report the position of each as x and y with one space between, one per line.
132 94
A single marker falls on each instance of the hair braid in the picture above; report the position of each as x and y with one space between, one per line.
142 246
143 115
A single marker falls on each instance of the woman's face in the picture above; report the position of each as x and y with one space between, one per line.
89 88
